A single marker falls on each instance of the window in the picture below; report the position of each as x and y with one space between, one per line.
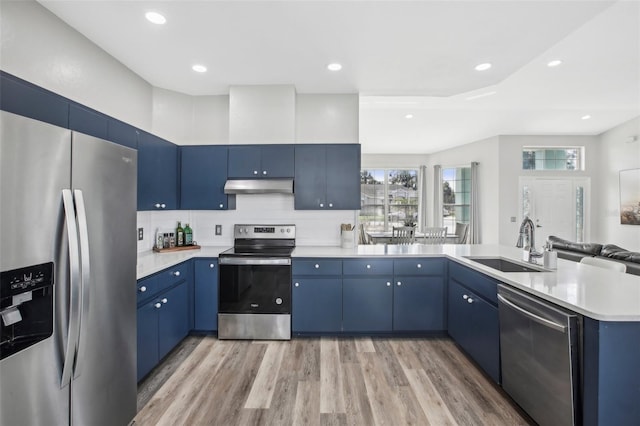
456 196
556 158
388 198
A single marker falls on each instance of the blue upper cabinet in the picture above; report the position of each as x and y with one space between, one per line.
157 173
261 161
122 133
88 121
203 172
28 100
327 177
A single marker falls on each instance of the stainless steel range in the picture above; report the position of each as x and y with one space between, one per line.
255 283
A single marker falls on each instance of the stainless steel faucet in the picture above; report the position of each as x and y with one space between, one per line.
528 232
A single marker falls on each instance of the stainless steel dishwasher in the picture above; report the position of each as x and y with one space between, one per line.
539 354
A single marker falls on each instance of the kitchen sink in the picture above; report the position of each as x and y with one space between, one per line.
506 265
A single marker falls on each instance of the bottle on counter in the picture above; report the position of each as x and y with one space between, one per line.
179 235
188 235
172 240
165 240
159 239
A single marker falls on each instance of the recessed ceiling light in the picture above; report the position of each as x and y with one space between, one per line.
155 17
334 67
554 63
408 116
199 68
483 67
586 117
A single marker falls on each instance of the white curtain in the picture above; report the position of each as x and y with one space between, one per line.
474 223
422 198
437 196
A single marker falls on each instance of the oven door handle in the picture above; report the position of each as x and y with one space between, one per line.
253 261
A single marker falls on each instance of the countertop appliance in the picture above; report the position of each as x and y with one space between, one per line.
539 355
67 276
255 283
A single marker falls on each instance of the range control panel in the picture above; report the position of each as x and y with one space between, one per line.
264 231
25 279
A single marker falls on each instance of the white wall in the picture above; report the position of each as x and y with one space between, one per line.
615 153
327 118
510 168
38 47
389 161
485 152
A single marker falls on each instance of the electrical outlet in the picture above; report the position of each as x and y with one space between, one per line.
513 219
140 234
218 229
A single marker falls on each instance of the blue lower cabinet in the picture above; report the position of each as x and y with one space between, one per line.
316 305
206 295
418 304
474 324
147 338
173 318
367 304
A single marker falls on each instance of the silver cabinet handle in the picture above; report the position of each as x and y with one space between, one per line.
212 265
317 266
399 283
469 300
368 266
158 305
264 172
321 205
164 300
330 204
297 284
143 289
163 205
221 206
176 273
465 297
419 265
255 172
157 206
388 284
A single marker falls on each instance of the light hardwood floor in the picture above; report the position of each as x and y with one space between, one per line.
322 381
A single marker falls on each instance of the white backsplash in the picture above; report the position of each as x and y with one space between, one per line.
313 227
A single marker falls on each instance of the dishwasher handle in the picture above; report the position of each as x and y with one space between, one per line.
547 323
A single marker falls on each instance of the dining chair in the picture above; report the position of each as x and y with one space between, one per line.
435 235
604 263
462 231
403 235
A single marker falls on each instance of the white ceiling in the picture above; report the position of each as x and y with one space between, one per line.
402 57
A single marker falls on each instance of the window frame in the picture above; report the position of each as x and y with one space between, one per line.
580 160
467 205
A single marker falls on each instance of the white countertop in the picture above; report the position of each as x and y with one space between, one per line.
589 290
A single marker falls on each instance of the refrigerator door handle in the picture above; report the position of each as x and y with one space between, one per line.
85 275
74 288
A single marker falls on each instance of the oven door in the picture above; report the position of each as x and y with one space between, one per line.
253 285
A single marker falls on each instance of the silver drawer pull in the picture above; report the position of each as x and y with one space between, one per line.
419 266
368 266
165 300
158 305
465 297
388 284
176 273
212 265
469 300
143 289
399 283
297 284
317 266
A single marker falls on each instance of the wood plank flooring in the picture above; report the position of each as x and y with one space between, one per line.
322 381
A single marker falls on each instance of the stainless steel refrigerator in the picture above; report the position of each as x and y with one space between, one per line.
68 275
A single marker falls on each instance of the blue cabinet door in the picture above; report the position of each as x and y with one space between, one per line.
157 173
310 177
418 304
147 330
173 318
23 98
343 177
473 323
122 133
277 161
88 121
244 162
206 295
316 305
367 304
203 173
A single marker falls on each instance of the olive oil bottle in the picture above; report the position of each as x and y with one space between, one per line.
188 235
179 235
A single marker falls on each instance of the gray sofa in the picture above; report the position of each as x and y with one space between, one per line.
576 251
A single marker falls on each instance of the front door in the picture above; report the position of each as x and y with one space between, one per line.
557 206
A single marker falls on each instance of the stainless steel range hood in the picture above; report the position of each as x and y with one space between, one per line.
259 186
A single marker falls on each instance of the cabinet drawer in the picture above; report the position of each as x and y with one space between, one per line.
367 267
418 266
173 275
316 267
475 281
146 288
